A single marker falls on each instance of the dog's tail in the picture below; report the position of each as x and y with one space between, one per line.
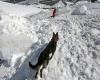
32 66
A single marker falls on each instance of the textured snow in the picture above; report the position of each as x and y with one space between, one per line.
18 10
80 10
23 38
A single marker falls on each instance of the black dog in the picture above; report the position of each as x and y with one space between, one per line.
44 57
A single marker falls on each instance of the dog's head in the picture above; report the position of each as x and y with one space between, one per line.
55 37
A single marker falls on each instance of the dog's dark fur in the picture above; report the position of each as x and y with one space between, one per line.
44 57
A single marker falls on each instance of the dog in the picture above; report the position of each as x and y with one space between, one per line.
44 57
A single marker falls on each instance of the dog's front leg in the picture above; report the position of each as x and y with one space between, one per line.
51 56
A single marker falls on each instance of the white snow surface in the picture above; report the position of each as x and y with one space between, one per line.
18 10
22 38
80 10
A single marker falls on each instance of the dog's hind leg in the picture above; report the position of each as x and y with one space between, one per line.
36 74
44 66
37 71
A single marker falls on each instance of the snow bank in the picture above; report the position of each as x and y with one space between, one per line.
80 10
17 33
18 10
16 36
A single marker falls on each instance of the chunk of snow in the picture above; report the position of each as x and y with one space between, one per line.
59 4
80 10
15 58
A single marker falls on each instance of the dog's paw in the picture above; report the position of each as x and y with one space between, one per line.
40 75
35 76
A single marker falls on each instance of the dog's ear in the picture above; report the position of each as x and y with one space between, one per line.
57 34
53 34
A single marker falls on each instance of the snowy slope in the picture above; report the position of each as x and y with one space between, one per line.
76 58
18 10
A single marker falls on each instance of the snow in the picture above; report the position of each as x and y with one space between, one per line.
80 10
18 10
22 38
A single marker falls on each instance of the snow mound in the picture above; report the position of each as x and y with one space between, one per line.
80 10
59 4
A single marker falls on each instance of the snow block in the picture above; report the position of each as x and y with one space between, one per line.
80 10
